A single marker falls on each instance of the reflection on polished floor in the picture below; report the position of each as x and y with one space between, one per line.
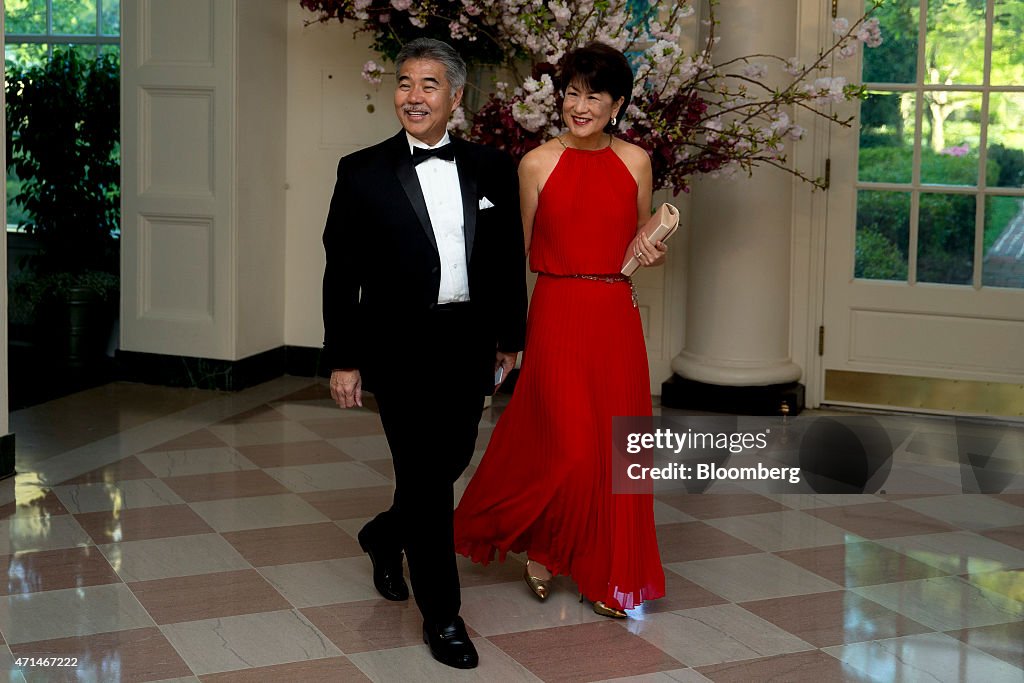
167 534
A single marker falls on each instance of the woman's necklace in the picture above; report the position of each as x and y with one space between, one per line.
565 146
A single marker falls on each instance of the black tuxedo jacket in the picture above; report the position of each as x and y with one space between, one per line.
383 270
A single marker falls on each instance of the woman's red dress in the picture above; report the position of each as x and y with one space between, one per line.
544 485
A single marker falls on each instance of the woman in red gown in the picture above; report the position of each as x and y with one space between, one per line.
544 485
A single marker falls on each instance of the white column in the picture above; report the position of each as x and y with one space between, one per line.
738 289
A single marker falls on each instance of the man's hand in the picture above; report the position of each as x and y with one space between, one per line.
504 360
347 388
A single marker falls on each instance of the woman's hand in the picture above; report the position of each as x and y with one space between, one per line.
648 253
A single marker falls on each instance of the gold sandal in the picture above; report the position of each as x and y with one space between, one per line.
540 587
605 611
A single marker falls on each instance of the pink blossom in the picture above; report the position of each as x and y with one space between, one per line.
458 121
755 71
690 115
372 72
870 34
848 50
957 150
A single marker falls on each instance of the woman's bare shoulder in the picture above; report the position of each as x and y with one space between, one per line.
544 155
540 161
634 156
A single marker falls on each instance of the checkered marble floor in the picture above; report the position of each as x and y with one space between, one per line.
209 536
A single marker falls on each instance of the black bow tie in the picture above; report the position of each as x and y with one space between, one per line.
421 154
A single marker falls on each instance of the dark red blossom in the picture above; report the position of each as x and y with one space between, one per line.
495 126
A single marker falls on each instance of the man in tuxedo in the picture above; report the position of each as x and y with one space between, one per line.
424 304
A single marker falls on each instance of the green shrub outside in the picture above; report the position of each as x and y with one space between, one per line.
877 258
1011 166
946 235
886 216
893 165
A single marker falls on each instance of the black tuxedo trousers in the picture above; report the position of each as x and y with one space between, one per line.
432 435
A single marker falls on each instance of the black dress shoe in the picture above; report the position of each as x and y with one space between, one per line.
387 568
450 644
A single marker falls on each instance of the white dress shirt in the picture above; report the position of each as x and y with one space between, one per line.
439 181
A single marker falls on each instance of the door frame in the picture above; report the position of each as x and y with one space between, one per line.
947 390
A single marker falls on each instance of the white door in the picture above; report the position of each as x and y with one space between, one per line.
924 283
177 146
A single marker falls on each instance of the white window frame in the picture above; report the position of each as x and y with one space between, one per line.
50 38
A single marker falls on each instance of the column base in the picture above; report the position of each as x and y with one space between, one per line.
6 455
687 394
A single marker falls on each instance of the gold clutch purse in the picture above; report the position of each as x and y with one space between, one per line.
662 225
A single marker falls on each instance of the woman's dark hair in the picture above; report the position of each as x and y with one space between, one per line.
598 68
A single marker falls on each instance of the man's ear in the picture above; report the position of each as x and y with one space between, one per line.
457 99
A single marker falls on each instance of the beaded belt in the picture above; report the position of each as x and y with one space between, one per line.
610 278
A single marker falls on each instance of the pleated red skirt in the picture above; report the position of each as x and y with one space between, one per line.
544 485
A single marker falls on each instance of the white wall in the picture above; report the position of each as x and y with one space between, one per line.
260 142
327 118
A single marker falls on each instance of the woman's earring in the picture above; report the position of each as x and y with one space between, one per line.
614 121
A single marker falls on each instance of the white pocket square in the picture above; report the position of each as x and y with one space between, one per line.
485 203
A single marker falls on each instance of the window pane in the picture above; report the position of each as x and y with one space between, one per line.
1004 242
86 52
16 215
74 17
1005 140
1007 47
951 132
111 11
25 16
883 230
114 50
887 137
21 56
945 239
955 42
895 60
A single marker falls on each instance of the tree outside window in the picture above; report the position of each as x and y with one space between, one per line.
34 28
